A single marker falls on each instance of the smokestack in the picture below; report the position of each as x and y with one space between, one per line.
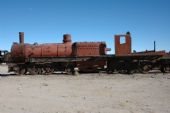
154 46
66 38
21 37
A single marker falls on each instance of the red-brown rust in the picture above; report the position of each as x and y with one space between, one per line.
91 65
64 49
124 48
89 49
21 37
48 50
66 38
42 50
16 50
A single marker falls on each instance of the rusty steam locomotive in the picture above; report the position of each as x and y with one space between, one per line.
71 57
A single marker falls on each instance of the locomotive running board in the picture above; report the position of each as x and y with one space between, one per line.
63 59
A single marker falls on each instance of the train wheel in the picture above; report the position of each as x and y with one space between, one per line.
32 71
22 71
163 69
145 69
52 71
39 70
130 71
69 70
16 69
140 70
43 72
49 71
109 72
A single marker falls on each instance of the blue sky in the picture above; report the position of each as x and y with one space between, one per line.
45 21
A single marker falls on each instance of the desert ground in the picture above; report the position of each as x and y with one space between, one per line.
86 93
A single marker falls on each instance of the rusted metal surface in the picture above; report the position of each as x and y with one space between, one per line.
16 50
21 37
47 50
146 53
87 56
42 50
123 48
66 38
91 66
65 49
89 49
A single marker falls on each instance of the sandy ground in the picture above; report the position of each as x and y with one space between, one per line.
87 93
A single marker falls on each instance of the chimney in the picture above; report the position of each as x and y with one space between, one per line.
66 38
154 46
21 37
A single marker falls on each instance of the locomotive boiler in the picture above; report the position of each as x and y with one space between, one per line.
49 57
24 50
65 49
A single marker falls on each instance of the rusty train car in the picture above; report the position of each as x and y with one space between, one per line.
69 57
126 61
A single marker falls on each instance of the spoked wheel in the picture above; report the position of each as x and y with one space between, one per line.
48 71
32 71
140 70
69 69
122 71
16 69
22 71
130 71
164 69
110 70
39 71
144 69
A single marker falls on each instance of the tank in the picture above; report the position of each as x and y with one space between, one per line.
89 48
42 50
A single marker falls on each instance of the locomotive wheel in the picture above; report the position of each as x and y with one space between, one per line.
122 71
163 69
140 70
16 70
130 71
69 69
22 71
32 71
109 72
48 71
145 69
51 71
39 71
43 72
